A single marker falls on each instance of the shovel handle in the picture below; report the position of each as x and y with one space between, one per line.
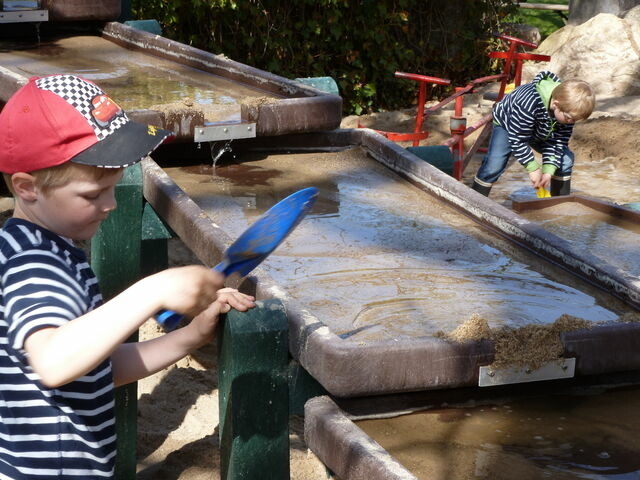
168 319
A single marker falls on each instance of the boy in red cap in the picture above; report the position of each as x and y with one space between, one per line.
63 145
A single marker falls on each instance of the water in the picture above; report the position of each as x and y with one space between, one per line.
594 178
554 437
379 259
217 151
134 79
610 238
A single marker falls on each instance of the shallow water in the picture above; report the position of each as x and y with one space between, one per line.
555 437
134 79
378 258
595 178
610 238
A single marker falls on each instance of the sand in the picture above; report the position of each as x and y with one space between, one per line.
530 346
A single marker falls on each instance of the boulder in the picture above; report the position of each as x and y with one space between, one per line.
582 10
604 51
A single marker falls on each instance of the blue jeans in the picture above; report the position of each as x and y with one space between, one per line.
496 160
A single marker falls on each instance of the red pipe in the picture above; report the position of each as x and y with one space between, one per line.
480 123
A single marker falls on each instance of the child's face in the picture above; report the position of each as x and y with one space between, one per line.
77 209
560 116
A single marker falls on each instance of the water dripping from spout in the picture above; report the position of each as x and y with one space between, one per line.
217 152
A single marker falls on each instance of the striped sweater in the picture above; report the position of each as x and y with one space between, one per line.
49 433
526 117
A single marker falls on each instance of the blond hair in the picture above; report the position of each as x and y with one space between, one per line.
575 98
54 177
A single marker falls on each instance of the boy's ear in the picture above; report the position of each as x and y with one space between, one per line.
24 186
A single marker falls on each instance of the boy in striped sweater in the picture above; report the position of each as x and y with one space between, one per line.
63 146
536 116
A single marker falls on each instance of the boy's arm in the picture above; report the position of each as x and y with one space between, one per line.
519 131
62 354
554 149
133 361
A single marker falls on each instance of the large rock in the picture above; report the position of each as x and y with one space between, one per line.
604 51
582 10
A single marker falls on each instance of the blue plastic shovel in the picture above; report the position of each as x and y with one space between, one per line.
257 242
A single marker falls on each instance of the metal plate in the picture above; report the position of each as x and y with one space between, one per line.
227 131
563 368
24 16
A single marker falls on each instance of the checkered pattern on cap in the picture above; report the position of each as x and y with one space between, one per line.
78 93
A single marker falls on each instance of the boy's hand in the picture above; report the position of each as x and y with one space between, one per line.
186 290
204 325
545 181
535 177
231 298
539 179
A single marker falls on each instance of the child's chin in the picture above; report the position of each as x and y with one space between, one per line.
87 234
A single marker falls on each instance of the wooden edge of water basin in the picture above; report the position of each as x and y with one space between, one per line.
609 208
297 108
9 83
343 447
293 107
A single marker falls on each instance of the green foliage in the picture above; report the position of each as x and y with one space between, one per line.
360 43
547 21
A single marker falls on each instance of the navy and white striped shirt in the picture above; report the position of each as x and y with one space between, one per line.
525 115
45 433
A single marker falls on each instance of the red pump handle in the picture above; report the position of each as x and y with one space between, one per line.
509 38
423 78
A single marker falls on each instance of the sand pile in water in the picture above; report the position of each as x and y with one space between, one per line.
529 346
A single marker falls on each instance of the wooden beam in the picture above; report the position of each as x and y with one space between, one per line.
545 6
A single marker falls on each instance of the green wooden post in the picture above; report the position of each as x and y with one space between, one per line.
253 394
155 234
115 257
126 11
302 387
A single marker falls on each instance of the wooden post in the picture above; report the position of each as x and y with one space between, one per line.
119 260
253 366
253 394
115 258
302 387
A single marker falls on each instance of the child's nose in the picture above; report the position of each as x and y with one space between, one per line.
110 202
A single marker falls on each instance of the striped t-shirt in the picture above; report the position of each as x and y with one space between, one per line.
525 115
45 433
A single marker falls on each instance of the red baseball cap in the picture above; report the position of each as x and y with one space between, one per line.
60 118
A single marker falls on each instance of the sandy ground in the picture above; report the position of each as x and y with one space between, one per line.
178 407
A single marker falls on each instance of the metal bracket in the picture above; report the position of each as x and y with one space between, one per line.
224 131
24 16
563 368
